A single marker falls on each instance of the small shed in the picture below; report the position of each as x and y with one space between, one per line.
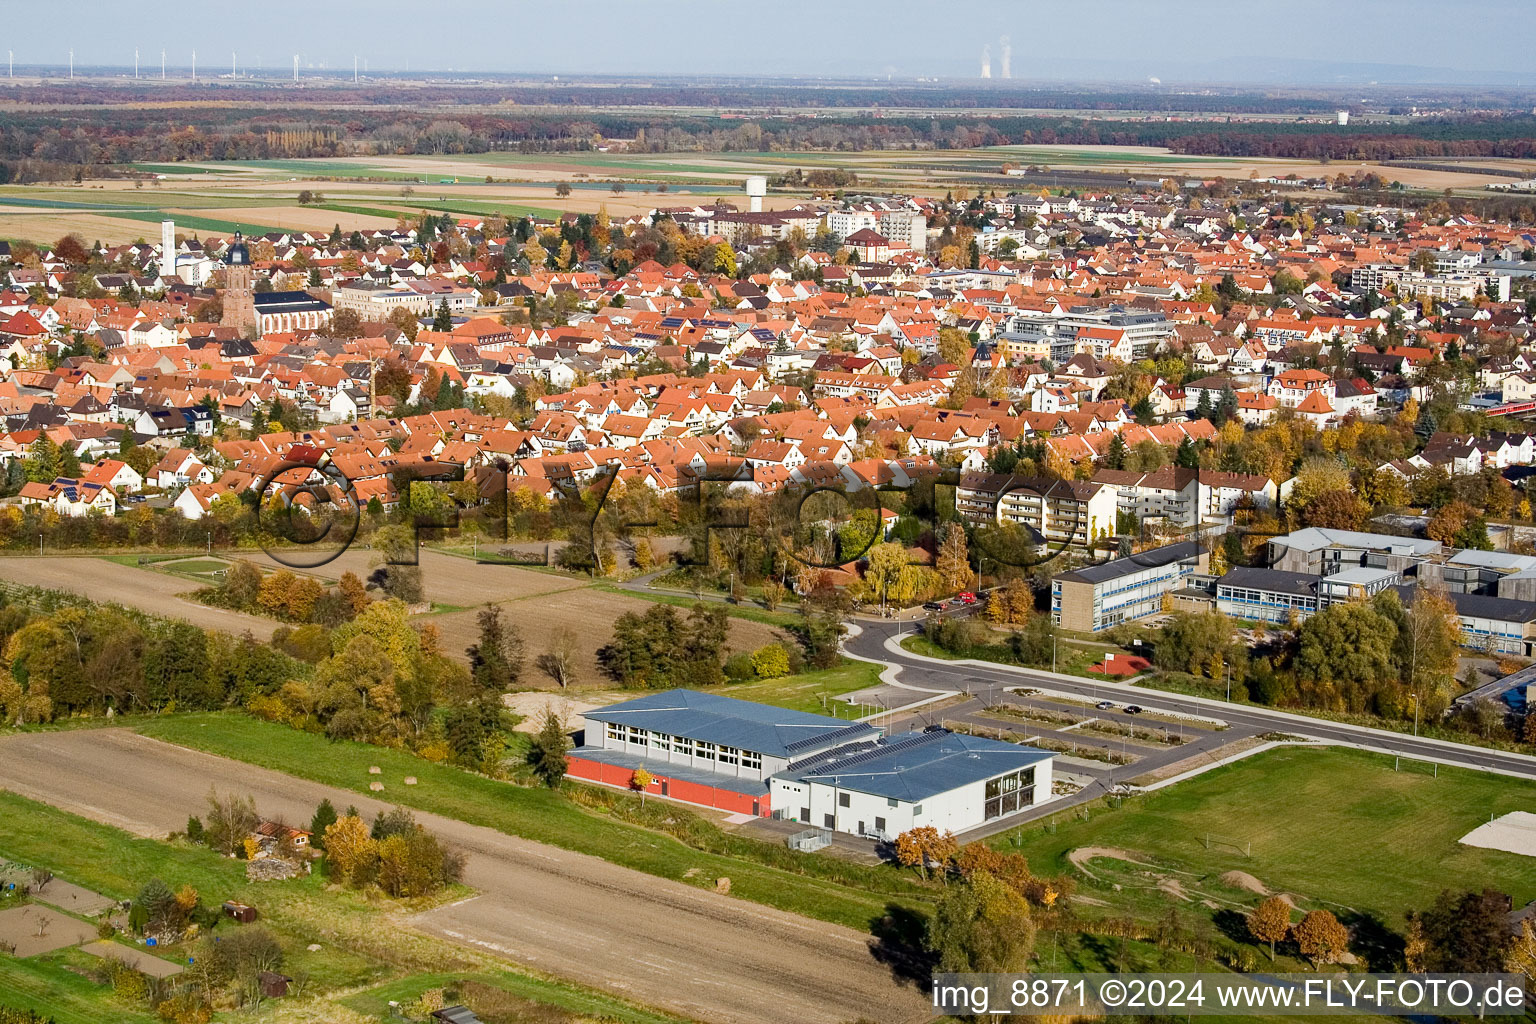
242 912
456 1015
273 985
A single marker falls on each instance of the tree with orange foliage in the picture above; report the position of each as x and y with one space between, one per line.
924 845
1270 922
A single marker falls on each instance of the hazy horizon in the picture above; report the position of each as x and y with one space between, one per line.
1200 41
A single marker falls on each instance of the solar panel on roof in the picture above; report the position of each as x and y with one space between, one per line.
833 737
881 750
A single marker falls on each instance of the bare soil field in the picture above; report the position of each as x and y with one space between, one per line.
51 225
665 943
537 603
20 926
448 580
589 613
135 958
153 592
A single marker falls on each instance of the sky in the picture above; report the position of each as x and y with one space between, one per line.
1318 42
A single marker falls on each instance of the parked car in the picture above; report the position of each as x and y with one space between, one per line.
1133 709
933 606
967 597
1105 705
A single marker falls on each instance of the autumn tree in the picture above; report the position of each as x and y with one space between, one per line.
1270 922
954 560
924 845
982 925
536 255
1427 641
350 850
1458 524
344 324
954 346
1320 937
640 782
1336 510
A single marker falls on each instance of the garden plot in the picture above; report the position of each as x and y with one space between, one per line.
34 929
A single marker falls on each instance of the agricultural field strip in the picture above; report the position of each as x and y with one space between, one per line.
564 912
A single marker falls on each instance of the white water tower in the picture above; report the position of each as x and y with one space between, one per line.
167 248
757 187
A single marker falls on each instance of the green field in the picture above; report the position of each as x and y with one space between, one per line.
814 885
804 692
360 956
1338 826
46 985
375 1001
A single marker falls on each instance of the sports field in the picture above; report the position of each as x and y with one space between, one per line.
1334 827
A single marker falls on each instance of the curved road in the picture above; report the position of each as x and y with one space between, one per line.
876 641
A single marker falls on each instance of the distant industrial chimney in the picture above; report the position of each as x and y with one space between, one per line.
757 187
1007 57
986 62
167 248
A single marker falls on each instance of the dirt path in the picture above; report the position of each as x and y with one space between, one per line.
660 942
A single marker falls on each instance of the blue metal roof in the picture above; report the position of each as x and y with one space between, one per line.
916 765
732 722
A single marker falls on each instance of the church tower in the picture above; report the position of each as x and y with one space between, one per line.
239 297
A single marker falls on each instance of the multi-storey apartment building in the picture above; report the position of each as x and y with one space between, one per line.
1097 597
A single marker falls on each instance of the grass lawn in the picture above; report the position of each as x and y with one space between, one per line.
117 864
375 1001
364 944
45 985
1070 660
814 885
1333 824
805 691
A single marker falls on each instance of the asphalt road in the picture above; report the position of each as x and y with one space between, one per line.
659 942
988 681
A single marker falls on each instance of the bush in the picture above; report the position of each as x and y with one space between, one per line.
128 983
738 668
16 1015
769 661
